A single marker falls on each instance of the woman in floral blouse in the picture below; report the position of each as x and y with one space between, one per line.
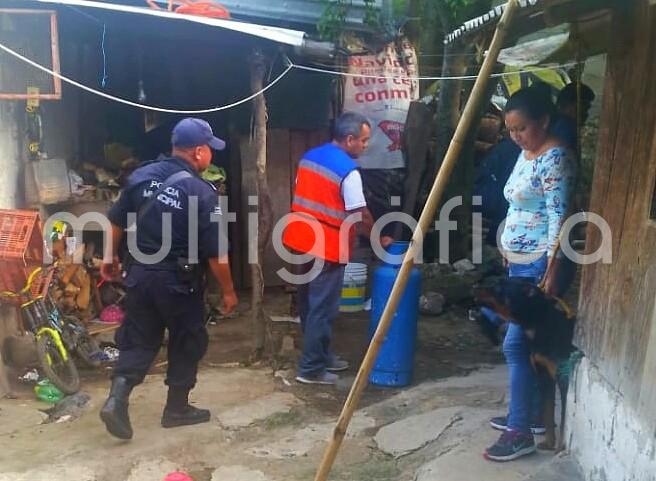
538 191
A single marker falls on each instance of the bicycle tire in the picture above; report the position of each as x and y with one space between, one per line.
69 381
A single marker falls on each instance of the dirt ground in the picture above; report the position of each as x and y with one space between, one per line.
267 427
447 345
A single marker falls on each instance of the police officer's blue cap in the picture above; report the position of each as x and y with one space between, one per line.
192 132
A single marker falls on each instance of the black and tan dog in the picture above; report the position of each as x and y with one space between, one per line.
550 330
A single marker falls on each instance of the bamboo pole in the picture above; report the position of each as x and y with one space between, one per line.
425 219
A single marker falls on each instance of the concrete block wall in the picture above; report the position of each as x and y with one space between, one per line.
10 192
605 435
10 154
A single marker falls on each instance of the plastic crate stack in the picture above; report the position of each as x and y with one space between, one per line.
21 249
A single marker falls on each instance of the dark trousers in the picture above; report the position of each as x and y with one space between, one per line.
158 300
318 306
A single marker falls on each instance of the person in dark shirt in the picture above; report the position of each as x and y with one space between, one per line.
566 125
171 220
493 173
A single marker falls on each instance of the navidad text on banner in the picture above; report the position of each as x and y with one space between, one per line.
384 101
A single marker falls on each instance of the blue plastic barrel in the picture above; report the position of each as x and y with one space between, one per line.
395 361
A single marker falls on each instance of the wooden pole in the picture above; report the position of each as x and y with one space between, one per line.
265 213
425 220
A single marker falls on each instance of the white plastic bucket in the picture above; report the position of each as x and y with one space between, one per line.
353 287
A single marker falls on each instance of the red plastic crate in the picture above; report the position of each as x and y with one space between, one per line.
21 247
20 236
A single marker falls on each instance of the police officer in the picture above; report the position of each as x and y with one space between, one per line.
176 217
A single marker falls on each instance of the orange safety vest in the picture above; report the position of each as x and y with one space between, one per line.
315 223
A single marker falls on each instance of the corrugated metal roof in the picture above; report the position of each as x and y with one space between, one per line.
303 12
294 38
306 12
470 26
533 18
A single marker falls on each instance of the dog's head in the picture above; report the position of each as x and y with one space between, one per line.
515 300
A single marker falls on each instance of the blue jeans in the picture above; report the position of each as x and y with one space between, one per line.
318 306
525 406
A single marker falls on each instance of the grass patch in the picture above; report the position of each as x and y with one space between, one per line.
278 420
378 468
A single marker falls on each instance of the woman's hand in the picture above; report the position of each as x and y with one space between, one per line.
550 280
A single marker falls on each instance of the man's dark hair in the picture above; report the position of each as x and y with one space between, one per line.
534 102
569 94
349 123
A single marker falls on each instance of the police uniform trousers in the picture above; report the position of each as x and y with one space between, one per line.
157 299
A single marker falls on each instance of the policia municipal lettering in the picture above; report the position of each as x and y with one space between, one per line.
167 294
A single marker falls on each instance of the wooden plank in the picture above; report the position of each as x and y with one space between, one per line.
236 230
595 282
617 301
279 176
97 329
247 189
623 358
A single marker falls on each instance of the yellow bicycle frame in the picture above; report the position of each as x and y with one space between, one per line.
58 342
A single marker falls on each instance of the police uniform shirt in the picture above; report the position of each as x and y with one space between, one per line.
143 183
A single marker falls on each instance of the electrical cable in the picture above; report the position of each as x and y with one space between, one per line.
461 77
136 104
290 66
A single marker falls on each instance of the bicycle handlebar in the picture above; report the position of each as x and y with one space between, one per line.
26 288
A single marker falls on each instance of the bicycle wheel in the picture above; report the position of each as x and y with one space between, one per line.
62 373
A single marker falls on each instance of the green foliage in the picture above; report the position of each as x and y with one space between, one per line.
462 10
371 14
331 23
399 8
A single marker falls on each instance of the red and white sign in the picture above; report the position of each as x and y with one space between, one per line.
383 94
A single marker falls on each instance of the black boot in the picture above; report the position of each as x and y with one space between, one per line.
178 411
115 411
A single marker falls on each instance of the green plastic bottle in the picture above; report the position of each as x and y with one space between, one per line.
47 392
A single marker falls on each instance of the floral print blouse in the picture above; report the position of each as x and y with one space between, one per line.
538 192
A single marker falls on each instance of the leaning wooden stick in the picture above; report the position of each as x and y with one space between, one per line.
425 220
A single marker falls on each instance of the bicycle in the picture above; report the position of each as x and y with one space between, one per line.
56 335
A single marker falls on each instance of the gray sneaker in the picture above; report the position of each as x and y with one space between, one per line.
501 424
338 365
326 378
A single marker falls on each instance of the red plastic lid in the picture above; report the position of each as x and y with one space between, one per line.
177 476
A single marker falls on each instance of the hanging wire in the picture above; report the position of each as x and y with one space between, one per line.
386 77
290 66
105 77
136 104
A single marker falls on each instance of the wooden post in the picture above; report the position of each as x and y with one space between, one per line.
416 137
264 209
425 220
